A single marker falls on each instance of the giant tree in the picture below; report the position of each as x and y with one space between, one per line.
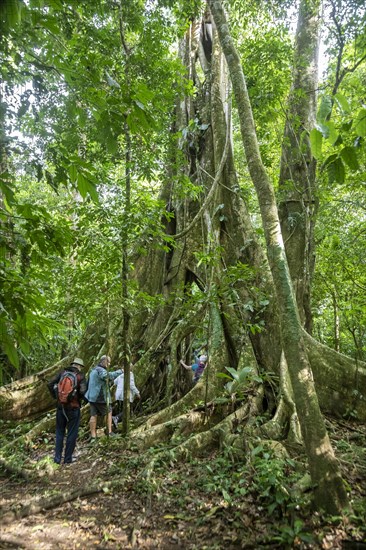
212 281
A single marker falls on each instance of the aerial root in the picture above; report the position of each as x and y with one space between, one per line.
146 436
189 401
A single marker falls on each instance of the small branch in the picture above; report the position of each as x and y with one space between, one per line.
36 505
13 469
121 33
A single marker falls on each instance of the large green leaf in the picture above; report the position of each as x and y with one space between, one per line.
333 133
111 143
73 173
55 4
86 187
342 103
325 108
10 350
5 188
316 141
10 13
360 123
349 156
336 171
330 159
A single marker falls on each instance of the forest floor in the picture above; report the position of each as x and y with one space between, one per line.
211 503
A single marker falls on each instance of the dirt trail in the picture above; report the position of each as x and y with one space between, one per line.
210 503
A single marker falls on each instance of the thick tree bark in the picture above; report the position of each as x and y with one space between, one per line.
29 397
297 185
330 493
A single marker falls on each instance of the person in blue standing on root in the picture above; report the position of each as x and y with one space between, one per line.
197 368
68 415
99 395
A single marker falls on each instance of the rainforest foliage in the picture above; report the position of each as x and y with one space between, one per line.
74 77
178 177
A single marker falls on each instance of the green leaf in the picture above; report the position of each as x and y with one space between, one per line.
10 13
86 187
323 128
132 123
111 143
55 4
233 373
223 375
51 24
333 134
325 108
144 121
82 185
143 93
5 188
73 173
316 141
349 156
329 160
360 123
24 346
346 126
10 350
257 450
336 172
342 103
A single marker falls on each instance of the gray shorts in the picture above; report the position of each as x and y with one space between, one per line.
99 409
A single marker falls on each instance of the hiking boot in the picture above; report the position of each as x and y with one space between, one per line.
115 421
92 440
112 434
73 459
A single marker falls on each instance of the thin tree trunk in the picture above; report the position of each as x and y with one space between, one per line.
125 312
124 238
336 327
329 490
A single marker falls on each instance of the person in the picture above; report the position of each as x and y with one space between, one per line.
99 395
68 415
134 392
197 368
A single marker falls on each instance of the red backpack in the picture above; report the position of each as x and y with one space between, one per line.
67 387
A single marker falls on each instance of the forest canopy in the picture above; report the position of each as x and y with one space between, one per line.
73 81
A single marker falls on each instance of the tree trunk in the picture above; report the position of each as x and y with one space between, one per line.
330 493
297 185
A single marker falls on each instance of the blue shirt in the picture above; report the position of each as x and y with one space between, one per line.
199 371
98 388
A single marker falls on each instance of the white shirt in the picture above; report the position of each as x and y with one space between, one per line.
119 382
